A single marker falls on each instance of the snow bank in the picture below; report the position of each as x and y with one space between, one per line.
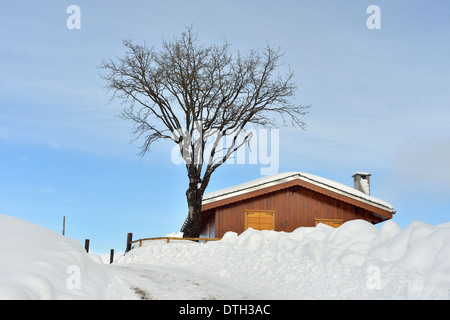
354 261
38 263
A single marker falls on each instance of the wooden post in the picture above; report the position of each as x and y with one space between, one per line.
86 245
129 240
64 226
111 256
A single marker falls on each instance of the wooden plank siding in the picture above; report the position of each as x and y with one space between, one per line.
293 207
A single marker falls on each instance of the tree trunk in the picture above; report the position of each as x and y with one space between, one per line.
194 197
192 228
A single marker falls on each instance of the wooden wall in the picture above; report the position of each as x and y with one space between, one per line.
294 207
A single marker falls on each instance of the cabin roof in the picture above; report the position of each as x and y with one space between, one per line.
281 178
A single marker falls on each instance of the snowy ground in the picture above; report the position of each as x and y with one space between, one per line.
354 261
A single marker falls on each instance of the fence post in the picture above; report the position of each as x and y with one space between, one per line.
111 256
129 240
86 245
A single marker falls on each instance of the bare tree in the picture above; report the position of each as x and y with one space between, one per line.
190 93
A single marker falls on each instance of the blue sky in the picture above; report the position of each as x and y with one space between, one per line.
380 103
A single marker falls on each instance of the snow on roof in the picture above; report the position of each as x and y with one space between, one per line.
361 173
280 178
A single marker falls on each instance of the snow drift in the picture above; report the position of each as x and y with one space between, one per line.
355 261
38 263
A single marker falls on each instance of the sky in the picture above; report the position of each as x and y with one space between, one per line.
380 103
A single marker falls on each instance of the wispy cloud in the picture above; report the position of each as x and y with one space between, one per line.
4 135
424 166
45 190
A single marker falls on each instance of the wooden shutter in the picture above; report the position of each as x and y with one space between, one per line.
331 222
253 220
260 220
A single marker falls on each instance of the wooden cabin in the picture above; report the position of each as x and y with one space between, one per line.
287 201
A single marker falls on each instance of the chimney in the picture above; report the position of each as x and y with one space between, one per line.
361 182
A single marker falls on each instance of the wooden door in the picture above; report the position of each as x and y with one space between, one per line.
260 220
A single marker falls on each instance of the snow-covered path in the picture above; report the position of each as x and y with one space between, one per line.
150 282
